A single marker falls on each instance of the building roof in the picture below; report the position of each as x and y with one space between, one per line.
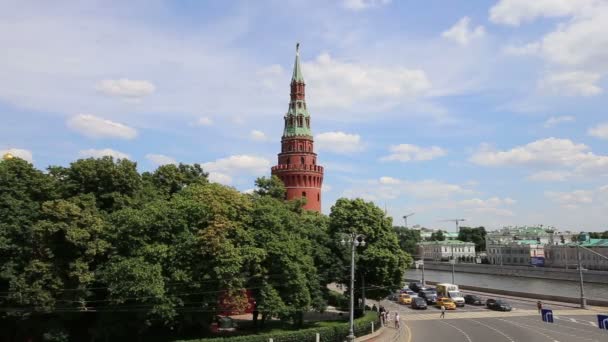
297 69
446 242
526 242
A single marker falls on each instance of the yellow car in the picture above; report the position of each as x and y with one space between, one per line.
405 298
447 302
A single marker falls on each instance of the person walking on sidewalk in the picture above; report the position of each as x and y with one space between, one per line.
442 312
539 306
397 320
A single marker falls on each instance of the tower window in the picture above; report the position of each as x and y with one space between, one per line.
288 160
304 194
299 104
314 161
318 197
302 160
300 147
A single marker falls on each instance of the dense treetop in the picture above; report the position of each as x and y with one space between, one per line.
97 250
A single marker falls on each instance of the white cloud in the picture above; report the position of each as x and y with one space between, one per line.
256 135
346 84
326 187
549 152
19 152
389 188
555 120
357 5
572 83
160 159
514 12
218 177
102 153
339 142
461 33
126 88
204 121
407 152
96 127
572 199
550 176
236 164
492 205
599 131
522 50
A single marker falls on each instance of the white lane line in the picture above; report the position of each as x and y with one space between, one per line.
571 319
457 328
493 328
593 324
534 330
561 332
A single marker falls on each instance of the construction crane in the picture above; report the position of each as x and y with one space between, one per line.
405 218
455 221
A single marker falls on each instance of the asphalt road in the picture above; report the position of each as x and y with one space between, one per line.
522 324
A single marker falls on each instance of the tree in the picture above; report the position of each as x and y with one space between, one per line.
408 239
113 183
381 262
475 235
437 236
170 179
272 187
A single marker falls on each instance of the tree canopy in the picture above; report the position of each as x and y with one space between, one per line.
98 251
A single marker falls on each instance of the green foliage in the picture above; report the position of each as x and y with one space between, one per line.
381 263
408 238
475 235
272 187
437 236
336 332
598 235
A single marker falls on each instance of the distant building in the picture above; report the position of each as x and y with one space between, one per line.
516 252
446 250
425 234
565 255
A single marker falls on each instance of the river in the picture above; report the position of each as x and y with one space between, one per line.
531 285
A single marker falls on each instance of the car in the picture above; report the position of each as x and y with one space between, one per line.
419 303
429 296
497 304
411 293
404 298
448 303
473 299
394 297
415 286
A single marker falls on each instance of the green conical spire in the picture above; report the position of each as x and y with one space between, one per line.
297 69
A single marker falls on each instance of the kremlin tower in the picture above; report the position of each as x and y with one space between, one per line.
297 166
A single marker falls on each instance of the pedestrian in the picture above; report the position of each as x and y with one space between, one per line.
382 314
442 311
374 308
396 320
539 306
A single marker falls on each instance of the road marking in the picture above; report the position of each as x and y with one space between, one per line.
457 328
571 319
560 332
493 328
534 330
409 332
593 323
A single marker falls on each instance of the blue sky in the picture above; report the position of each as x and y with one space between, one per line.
493 111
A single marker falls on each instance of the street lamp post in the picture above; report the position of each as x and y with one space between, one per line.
422 264
453 261
354 240
580 275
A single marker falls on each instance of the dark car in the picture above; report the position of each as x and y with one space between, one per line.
498 304
429 296
415 286
473 299
418 303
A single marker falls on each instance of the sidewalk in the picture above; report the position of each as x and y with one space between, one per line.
386 334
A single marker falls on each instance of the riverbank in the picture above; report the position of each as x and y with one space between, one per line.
535 296
600 277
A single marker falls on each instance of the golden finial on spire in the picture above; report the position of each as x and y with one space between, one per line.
7 156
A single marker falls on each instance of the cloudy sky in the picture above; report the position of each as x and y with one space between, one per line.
492 111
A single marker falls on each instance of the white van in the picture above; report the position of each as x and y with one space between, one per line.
450 291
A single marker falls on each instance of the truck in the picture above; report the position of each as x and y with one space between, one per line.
450 291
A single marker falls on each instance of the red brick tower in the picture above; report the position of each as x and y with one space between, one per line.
297 166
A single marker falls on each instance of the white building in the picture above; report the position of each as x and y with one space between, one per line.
520 253
446 250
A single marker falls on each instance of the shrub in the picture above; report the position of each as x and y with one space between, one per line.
333 333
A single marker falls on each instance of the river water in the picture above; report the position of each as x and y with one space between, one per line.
531 285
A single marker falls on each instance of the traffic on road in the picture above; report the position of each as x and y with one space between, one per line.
432 314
